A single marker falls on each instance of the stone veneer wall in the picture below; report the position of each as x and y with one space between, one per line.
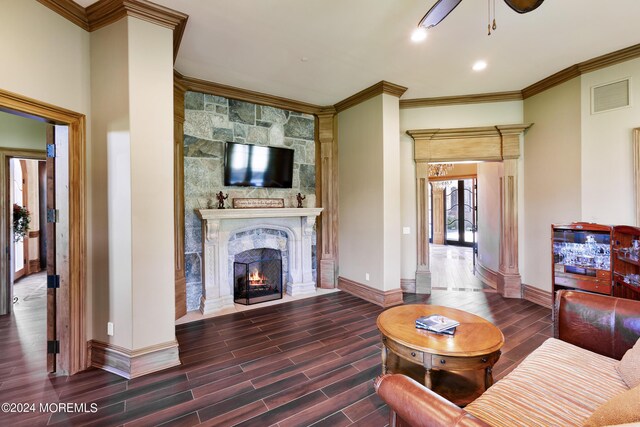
211 121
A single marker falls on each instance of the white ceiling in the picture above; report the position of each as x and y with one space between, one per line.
352 44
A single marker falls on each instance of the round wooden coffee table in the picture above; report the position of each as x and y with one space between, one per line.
451 362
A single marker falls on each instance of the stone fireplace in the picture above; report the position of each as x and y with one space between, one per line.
231 234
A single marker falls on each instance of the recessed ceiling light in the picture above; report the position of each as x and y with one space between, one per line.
419 34
479 66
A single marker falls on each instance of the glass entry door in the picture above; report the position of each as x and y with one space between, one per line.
460 212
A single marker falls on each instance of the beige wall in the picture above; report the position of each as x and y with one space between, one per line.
151 113
452 116
391 196
49 61
48 55
607 166
361 193
111 276
552 156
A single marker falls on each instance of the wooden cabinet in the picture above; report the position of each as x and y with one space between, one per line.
626 262
581 257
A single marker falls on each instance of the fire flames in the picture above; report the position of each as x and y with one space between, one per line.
256 279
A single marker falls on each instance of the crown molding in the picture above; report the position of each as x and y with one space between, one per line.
515 95
198 85
580 68
370 92
556 79
551 81
471 132
105 12
70 10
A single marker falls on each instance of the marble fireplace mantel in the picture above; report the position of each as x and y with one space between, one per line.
219 225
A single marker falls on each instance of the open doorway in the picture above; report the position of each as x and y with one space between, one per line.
453 226
27 200
60 343
28 256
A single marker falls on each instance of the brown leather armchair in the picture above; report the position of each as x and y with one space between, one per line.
602 324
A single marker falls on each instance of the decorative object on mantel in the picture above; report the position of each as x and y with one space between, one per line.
249 203
221 198
300 198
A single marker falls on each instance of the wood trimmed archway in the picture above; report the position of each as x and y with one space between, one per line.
491 143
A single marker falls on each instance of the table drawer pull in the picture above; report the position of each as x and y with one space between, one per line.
413 354
484 360
442 361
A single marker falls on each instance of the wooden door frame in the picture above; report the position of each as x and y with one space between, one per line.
71 299
500 143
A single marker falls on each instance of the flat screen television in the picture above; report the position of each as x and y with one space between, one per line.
248 165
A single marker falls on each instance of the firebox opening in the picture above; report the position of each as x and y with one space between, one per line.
257 276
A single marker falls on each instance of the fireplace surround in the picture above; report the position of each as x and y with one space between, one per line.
228 232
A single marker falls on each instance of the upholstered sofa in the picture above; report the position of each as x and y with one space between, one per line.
561 383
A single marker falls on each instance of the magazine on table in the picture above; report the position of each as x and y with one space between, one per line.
437 323
451 331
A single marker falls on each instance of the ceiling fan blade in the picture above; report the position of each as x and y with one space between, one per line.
438 12
523 6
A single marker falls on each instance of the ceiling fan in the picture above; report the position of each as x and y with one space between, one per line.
442 8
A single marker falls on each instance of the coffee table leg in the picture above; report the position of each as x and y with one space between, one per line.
384 359
427 378
488 378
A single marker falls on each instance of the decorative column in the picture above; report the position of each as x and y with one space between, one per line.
423 274
178 199
437 193
509 280
212 298
307 286
328 188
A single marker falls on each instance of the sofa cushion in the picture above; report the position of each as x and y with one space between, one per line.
622 408
557 384
629 366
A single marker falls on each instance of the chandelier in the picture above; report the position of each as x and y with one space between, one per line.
437 170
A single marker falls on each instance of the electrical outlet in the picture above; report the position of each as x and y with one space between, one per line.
110 329
366 277
406 230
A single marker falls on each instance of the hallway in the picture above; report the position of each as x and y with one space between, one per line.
452 269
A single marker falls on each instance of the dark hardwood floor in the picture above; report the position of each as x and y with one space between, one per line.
308 362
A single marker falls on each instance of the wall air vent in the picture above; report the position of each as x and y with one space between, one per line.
610 96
